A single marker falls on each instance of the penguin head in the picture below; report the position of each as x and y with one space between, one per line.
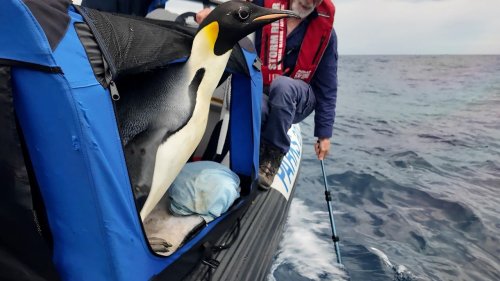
231 21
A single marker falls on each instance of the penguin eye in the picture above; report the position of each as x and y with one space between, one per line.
242 14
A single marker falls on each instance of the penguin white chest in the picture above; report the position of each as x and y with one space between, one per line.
173 154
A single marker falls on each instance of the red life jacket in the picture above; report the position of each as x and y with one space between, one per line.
312 48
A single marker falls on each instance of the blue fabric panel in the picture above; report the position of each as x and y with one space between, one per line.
257 90
117 221
21 37
241 125
73 141
245 119
60 163
71 134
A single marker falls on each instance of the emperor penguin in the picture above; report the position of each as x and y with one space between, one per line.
162 125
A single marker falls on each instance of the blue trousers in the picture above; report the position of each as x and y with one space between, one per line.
289 101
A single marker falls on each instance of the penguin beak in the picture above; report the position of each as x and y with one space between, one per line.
252 17
265 16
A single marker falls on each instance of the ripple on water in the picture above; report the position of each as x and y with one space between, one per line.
410 159
424 192
409 215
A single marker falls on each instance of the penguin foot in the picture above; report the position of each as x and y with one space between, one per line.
159 245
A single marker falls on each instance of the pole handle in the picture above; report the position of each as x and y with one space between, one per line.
328 197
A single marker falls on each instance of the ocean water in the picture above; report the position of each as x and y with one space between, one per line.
415 172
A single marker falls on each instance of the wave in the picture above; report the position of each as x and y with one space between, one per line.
304 254
401 273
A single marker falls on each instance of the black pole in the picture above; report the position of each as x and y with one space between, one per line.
328 197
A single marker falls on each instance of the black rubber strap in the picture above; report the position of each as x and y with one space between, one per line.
39 67
335 238
208 252
328 196
234 235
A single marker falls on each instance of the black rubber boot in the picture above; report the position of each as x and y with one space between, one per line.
270 161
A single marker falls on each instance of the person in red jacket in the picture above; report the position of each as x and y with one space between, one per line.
299 68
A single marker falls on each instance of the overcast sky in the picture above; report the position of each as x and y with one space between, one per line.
418 26
411 26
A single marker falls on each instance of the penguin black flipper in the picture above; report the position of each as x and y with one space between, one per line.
152 107
192 90
153 100
140 155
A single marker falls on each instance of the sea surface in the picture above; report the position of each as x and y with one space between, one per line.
415 173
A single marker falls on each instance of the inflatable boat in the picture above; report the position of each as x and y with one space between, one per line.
67 208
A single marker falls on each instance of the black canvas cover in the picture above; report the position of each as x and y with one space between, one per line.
52 15
133 45
130 7
24 254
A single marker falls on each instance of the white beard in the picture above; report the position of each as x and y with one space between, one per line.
302 8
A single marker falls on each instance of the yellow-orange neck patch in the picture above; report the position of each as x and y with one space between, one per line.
211 31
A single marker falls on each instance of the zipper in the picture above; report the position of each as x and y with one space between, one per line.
113 90
108 77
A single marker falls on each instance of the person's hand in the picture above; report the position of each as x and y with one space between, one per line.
322 146
201 15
